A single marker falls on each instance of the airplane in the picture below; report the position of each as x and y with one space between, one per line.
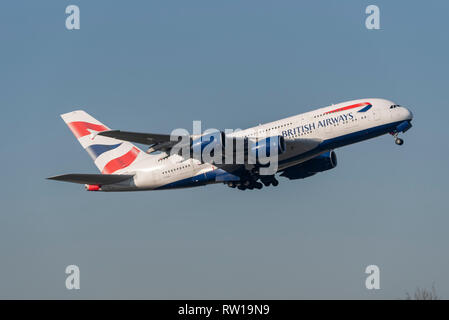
305 145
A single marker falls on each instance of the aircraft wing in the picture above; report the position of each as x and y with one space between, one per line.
162 142
99 179
300 145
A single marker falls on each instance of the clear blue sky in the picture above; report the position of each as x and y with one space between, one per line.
157 65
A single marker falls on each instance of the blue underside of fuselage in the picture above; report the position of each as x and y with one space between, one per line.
217 175
337 142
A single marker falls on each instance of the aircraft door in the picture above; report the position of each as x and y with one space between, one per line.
375 113
329 128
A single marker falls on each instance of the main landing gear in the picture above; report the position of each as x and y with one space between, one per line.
253 184
271 180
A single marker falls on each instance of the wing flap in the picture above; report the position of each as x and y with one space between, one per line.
98 179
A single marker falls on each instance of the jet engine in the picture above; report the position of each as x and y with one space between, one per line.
247 149
323 162
210 140
267 147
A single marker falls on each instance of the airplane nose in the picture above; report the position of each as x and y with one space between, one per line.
408 114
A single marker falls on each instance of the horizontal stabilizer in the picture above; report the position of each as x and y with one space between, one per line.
137 137
96 179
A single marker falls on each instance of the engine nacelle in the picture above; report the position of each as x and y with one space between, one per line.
323 162
251 151
210 140
267 147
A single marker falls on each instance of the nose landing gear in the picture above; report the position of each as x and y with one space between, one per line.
397 140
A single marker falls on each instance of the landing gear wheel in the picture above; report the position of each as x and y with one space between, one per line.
258 185
266 183
240 187
399 141
275 183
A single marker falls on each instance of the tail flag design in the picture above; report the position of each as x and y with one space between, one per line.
110 155
121 162
96 150
81 128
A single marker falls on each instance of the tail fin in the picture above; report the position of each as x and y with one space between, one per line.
110 155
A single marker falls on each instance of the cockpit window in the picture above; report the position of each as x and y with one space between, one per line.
394 106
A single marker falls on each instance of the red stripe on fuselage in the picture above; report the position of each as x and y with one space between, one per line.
363 104
121 162
79 128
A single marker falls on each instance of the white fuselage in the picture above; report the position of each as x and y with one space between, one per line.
333 126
